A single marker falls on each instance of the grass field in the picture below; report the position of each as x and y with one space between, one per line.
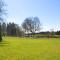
13 48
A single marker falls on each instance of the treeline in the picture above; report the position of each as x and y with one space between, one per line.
45 34
29 28
50 32
29 25
11 29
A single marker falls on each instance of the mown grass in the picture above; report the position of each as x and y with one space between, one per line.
14 48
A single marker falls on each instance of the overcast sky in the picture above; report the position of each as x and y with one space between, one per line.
48 12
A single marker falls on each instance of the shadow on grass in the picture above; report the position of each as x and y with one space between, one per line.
4 43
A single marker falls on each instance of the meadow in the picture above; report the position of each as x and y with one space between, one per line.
15 48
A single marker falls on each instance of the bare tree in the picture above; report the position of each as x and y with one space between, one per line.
31 25
36 25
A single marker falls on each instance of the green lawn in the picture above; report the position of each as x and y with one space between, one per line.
13 48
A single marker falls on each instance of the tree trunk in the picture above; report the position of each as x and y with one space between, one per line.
0 34
0 37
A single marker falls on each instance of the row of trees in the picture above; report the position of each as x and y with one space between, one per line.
30 25
11 29
27 28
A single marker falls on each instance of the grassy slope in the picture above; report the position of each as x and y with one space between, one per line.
29 49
